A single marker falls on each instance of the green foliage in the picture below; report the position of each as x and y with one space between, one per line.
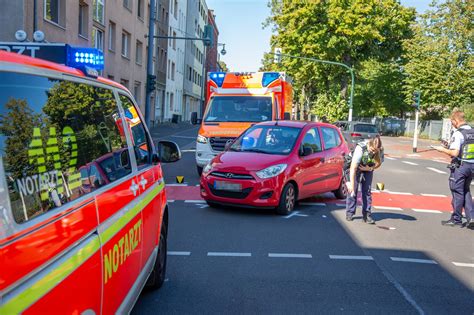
351 32
440 59
329 107
223 66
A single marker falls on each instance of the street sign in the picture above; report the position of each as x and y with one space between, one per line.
51 52
179 179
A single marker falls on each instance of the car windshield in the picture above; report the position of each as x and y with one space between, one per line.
365 128
239 108
267 139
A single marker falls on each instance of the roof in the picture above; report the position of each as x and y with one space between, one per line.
40 63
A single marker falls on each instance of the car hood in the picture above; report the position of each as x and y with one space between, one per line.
246 161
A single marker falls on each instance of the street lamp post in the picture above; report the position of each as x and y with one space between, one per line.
351 70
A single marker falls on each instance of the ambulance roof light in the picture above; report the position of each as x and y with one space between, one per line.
79 57
217 77
269 77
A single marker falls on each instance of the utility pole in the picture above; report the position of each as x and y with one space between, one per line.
150 77
278 56
416 104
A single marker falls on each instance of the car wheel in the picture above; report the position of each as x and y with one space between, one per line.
199 170
157 276
287 200
341 192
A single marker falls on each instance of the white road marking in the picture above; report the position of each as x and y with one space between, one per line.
351 257
174 253
176 185
280 255
227 254
295 213
416 155
398 193
388 208
463 264
188 151
318 204
433 195
170 201
414 260
427 211
409 163
195 201
390 158
436 170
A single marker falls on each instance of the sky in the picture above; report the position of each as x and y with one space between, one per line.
240 29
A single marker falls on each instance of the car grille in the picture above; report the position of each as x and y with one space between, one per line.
230 194
231 175
218 143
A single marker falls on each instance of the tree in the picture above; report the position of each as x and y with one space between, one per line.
223 66
440 58
351 32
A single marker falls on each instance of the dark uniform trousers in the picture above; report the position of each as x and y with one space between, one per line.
365 180
460 186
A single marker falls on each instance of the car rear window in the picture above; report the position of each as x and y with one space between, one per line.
365 128
53 136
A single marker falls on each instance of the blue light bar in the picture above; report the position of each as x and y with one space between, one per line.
217 77
79 57
269 77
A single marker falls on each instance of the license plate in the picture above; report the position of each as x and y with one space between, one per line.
220 185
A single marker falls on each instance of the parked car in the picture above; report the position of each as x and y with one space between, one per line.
275 164
356 131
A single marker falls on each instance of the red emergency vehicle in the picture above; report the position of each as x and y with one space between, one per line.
83 209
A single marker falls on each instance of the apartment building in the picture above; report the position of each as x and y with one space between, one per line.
117 27
176 61
157 109
196 18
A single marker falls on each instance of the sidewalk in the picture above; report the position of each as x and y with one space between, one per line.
402 147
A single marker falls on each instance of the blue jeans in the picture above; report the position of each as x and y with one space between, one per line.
365 180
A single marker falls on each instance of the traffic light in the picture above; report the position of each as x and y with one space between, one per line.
208 35
151 83
277 55
416 100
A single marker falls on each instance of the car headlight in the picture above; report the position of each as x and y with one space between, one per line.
207 168
272 171
201 139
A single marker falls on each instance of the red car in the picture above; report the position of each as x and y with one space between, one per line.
274 164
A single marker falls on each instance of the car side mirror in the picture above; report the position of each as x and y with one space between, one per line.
228 144
306 151
287 116
194 118
168 152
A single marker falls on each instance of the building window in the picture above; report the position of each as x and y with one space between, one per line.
171 101
127 4
98 11
174 40
112 36
168 69
173 69
54 11
140 12
137 91
98 38
124 82
139 52
83 19
190 71
126 44
175 9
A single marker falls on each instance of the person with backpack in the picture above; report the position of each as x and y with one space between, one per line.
461 151
367 157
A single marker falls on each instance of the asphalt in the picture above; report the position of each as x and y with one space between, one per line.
228 260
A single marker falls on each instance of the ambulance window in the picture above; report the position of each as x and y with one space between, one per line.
141 143
60 140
